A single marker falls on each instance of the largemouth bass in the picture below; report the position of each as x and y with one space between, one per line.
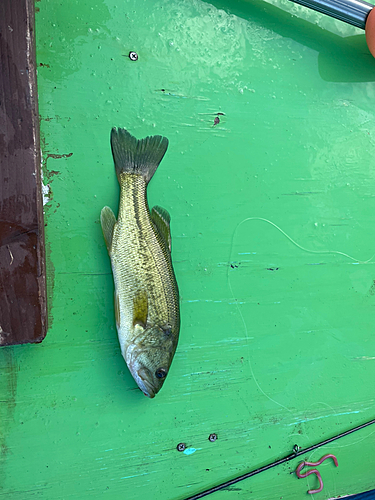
139 245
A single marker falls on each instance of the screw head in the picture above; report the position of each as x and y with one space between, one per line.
133 56
181 447
212 437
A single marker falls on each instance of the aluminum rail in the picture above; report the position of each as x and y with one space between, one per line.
353 12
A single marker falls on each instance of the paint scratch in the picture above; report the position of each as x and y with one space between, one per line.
304 420
11 255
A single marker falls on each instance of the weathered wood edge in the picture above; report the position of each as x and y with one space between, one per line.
23 311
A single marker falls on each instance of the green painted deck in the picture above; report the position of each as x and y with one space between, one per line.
273 223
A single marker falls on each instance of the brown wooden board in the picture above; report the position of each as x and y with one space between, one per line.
22 260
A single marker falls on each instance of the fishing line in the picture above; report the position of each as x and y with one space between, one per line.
296 453
249 359
297 244
301 248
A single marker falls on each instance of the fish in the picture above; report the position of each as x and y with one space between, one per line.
146 298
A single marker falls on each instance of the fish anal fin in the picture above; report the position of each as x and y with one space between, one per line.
140 308
107 221
161 218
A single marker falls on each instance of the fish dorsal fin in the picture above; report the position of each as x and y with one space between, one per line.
140 308
108 221
161 218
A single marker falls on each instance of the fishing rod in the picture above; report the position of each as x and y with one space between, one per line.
355 12
296 453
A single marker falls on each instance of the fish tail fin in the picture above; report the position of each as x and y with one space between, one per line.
135 156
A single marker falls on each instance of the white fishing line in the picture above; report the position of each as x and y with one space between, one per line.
321 252
324 252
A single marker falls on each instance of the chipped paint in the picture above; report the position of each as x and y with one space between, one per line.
190 451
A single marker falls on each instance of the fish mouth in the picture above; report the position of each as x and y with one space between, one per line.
143 383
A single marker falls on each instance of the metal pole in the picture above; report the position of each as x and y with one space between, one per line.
352 12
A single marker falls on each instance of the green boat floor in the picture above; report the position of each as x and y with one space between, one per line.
270 182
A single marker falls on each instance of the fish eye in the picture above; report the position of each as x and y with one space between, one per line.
161 373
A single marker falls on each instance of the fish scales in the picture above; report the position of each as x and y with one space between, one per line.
139 260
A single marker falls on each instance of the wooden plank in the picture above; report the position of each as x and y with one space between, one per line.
22 256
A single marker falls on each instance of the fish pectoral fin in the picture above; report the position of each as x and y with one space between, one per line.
108 221
117 311
161 218
140 309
